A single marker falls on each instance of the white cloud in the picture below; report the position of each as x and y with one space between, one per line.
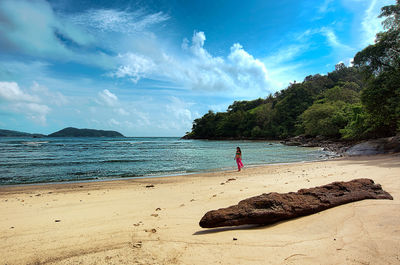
18 101
112 20
33 111
333 40
286 54
112 122
371 24
107 98
325 6
284 64
121 111
10 91
180 110
32 27
55 98
219 107
134 66
246 70
110 100
239 73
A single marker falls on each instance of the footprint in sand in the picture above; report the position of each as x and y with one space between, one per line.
138 224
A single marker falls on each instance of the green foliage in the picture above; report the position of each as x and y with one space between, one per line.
325 119
346 92
381 64
358 125
245 105
381 99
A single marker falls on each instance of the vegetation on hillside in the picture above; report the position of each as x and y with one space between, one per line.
357 102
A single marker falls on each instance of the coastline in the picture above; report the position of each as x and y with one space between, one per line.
125 222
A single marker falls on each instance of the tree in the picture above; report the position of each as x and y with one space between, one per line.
381 99
325 119
381 63
346 92
384 55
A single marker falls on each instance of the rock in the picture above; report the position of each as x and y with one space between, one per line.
274 207
375 147
136 244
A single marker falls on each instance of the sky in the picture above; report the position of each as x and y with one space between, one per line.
149 68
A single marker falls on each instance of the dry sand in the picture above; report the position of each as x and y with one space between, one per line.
123 222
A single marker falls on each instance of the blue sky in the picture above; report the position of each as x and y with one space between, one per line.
148 68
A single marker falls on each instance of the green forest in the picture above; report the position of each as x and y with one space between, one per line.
350 103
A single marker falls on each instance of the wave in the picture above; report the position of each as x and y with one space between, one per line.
35 143
124 161
67 163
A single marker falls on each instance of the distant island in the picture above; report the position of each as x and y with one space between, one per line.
74 132
10 133
66 132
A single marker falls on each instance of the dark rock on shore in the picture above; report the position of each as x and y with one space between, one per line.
374 147
333 145
274 207
348 148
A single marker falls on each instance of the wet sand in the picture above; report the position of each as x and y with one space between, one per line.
155 221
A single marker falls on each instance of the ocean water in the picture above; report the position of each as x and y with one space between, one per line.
42 160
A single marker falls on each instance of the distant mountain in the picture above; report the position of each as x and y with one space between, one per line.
74 132
10 133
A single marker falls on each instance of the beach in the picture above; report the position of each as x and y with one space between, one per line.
155 220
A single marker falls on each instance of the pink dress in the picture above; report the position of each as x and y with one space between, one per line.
239 161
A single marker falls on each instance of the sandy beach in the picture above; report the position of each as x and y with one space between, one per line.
155 220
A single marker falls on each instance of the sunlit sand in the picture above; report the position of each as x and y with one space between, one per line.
155 221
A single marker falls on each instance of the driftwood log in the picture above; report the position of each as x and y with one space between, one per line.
274 207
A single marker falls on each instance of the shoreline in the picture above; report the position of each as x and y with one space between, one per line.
155 220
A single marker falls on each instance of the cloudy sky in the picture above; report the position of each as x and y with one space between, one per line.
148 68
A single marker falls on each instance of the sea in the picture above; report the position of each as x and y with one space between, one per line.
49 160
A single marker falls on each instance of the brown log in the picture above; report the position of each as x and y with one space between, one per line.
274 207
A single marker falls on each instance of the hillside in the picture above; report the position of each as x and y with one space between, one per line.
10 133
349 103
74 132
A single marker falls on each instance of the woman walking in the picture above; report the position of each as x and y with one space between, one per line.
238 158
